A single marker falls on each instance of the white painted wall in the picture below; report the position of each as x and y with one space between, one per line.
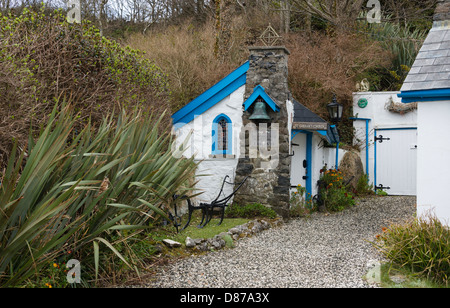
211 171
380 118
433 169
321 156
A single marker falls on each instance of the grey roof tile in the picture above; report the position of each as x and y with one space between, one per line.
423 62
435 36
432 54
422 85
441 84
441 61
303 114
437 76
447 35
416 77
406 86
417 69
433 46
431 69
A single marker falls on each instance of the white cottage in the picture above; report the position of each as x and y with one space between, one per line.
428 84
277 151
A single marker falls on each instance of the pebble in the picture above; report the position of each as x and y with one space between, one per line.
320 251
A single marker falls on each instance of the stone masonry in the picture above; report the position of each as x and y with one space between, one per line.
268 186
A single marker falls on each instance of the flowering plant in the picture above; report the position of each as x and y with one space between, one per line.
333 192
301 202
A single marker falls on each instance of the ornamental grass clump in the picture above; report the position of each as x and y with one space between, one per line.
83 191
421 245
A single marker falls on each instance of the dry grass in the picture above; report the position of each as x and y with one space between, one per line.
186 55
322 64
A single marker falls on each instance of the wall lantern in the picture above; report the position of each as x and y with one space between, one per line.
335 110
259 111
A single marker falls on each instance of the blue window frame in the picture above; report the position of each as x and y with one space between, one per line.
222 134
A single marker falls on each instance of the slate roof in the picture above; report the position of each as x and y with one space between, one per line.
303 114
431 70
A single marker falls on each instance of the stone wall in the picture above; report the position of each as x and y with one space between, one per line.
268 186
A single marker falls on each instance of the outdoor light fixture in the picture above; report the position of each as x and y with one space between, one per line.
335 110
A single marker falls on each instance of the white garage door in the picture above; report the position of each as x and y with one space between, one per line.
395 160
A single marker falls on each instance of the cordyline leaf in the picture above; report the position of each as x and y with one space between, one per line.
130 208
129 227
155 209
96 258
110 246
110 165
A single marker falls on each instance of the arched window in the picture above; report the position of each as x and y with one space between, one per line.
222 135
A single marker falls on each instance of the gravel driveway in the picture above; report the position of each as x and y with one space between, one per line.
320 251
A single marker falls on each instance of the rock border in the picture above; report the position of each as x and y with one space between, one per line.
219 241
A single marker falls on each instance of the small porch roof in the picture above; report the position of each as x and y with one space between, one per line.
306 120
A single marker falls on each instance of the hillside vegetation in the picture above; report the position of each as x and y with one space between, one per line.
44 59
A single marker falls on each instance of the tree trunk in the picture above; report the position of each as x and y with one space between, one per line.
218 26
285 16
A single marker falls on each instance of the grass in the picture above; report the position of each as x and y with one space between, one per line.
234 216
209 231
395 277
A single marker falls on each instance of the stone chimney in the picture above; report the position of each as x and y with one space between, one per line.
268 186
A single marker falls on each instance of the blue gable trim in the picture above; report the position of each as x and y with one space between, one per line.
259 91
212 96
425 95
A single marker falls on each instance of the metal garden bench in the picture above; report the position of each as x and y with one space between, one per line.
208 209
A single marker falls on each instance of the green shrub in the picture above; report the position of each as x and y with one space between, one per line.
381 192
43 58
421 245
249 211
363 187
333 193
